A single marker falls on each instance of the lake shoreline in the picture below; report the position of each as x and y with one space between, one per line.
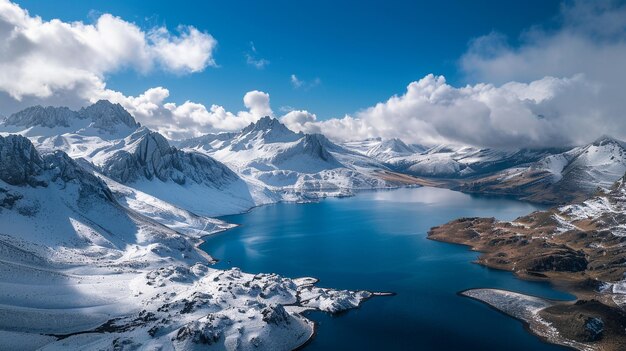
425 198
529 324
522 248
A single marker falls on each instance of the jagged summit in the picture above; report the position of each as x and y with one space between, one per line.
103 116
148 155
607 139
270 130
22 165
42 116
106 115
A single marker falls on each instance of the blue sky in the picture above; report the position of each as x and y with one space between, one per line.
362 52
517 73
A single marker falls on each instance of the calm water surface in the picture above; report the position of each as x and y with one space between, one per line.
377 241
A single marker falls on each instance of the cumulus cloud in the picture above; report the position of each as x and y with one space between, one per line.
44 59
431 111
258 102
301 121
189 119
190 51
558 87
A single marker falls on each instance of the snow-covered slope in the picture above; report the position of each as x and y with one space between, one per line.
139 161
567 176
384 149
281 164
80 271
103 119
598 164
453 161
145 161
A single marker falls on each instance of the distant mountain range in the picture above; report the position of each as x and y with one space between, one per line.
563 177
266 162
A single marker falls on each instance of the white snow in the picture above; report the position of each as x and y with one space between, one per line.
128 275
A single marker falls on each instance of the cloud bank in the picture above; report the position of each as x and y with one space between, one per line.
59 60
559 85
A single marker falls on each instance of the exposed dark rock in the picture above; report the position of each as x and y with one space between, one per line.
20 163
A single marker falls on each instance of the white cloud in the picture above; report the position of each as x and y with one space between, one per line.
45 59
558 87
297 83
545 112
258 102
177 121
253 60
301 121
191 51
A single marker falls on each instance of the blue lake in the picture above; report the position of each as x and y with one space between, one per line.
377 241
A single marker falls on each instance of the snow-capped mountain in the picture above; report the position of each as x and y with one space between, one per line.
453 161
103 119
266 162
135 162
567 176
384 149
282 164
81 271
144 161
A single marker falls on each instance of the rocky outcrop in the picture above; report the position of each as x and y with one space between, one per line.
108 116
20 163
102 116
151 157
42 116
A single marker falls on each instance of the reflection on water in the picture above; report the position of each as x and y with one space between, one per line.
425 195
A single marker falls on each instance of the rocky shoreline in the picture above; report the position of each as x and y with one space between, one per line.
579 247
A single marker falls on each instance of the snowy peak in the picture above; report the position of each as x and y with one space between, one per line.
106 116
206 142
309 155
390 148
268 130
445 148
608 140
383 150
101 117
42 116
602 153
600 163
264 124
144 139
148 155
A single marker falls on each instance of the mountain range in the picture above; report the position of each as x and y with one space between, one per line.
96 207
266 162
